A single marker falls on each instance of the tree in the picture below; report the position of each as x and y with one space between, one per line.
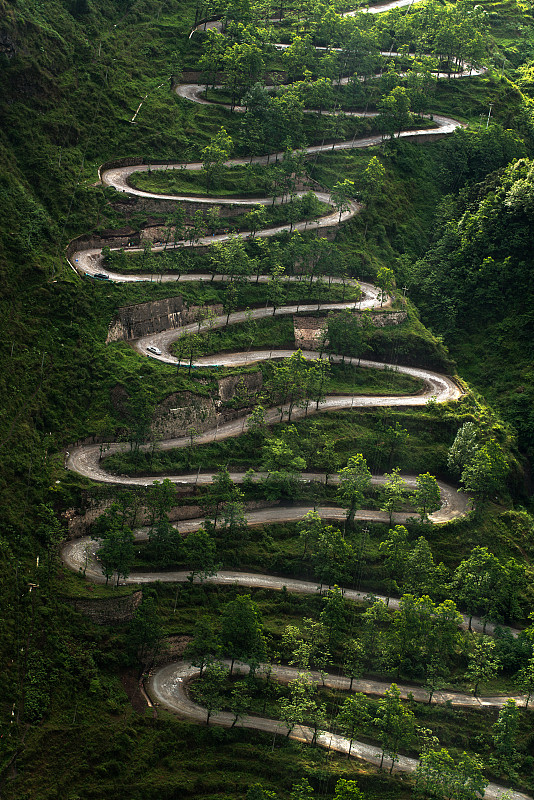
463 449
145 633
242 632
347 790
525 679
239 701
439 775
395 548
333 557
294 708
393 439
256 219
486 474
385 280
483 664
301 790
333 616
395 723
395 110
221 491
340 195
310 527
116 552
166 543
393 493
374 617
422 575
307 645
215 154
204 646
354 481
353 659
159 499
504 733
235 528
372 182
476 583
200 555
354 716
210 690
256 422
427 497
290 381
275 288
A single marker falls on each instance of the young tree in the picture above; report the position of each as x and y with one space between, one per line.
385 280
393 493
395 723
340 195
333 558
353 660
210 691
116 552
333 616
200 554
426 497
242 632
483 664
504 734
439 775
214 155
166 543
310 527
347 790
204 646
354 716
354 481
239 701
486 474
395 549
525 679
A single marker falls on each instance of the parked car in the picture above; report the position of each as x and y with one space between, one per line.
101 276
152 349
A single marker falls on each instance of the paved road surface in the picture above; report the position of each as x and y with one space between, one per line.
167 686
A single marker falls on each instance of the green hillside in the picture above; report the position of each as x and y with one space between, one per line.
436 228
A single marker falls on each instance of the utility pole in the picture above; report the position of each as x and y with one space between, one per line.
489 115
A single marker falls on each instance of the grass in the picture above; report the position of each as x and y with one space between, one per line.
233 181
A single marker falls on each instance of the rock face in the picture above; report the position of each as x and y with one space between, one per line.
240 387
308 330
109 610
181 411
131 322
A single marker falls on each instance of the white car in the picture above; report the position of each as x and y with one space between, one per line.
152 349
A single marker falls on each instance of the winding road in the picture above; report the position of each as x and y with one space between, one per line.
167 685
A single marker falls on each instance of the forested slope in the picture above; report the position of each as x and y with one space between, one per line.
450 218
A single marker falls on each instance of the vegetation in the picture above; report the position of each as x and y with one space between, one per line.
445 229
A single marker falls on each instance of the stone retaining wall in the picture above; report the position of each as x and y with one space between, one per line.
308 330
132 322
108 610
